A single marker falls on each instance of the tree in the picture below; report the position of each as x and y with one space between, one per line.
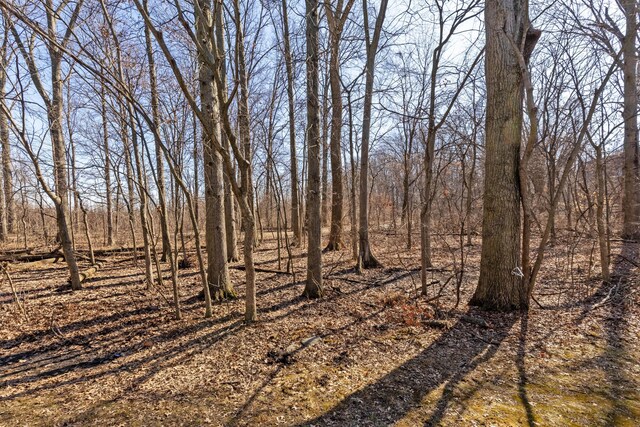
229 208
6 196
365 257
53 101
313 287
631 198
295 197
218 272
457 18
500 285
336 20
155 114
107 162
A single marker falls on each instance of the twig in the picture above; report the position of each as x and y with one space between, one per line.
5 272
605 299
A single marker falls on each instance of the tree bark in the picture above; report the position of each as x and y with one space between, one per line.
500 286
631 197
229 206
295 197
142 194
107 162
600 215
365 257
54 113
324 198
336 20
313 287
155 114
217 269
6 199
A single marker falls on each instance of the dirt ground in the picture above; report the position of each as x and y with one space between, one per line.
371 352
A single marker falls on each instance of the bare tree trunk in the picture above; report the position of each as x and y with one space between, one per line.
107 162
7 169
155 114
313 287
425 214
6 208
295 197
354 179
54 114
87 232
126 153
552 177
324 209
470 184
245 192
196 169
71 166
175 175
600 217
631 197
124 123
229 208
365 257
60 157
336 20
218 272
142 194
500 285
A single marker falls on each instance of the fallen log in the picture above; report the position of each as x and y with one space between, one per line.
11 252
57 254
89 272
114 251
260 270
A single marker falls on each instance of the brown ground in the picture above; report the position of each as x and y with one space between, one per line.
368 353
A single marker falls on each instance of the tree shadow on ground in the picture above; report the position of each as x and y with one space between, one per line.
523 380
615 328
446 362
101 346
53 361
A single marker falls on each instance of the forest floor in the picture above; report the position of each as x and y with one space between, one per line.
371 352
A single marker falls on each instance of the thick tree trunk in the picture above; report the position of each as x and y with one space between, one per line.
217 269
500 286
313 287
631 197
